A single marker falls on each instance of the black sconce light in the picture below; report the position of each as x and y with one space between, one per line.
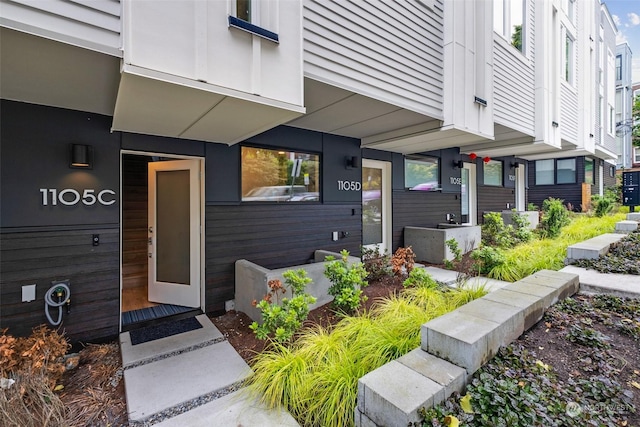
458 164
515 165
351 162
81 156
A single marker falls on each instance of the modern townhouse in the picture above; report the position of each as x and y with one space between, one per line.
147 146
582 106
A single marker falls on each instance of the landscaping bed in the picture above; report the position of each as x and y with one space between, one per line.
623 257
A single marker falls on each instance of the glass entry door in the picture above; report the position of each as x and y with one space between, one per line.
174 232
376 205
468 195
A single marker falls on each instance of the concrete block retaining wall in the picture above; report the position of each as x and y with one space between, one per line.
453 347
252 279
429 244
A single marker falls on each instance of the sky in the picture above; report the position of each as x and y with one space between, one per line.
626 15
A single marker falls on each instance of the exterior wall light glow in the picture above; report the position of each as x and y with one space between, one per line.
81 156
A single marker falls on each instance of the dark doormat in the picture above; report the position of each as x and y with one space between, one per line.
150 333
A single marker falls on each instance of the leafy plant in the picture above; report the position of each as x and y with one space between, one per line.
420 278
403 261
532 207
281 319
603 205
554 217
587 337
453 246
487 258
347 281
522 233
378 265
495 232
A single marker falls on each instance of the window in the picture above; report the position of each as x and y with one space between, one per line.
568 63
493 173
544 172
588 170
243 10
566 171
612 118
279 176
508 18
612 171
636 155
618 67
421 173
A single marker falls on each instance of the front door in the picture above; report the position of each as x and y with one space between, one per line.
376 205
469 199
520 188
174 232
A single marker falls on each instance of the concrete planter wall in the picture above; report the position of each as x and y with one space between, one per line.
429 244
252 280
532 216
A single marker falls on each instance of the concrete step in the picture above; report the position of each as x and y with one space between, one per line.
454 346
626 227
592 248
621 285
633 216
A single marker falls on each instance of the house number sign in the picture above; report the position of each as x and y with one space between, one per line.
70 197
349 186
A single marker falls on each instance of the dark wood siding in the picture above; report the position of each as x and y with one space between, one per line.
494 199
569 193
421 209
39 257
273 236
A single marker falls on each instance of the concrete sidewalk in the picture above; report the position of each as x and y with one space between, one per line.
191 379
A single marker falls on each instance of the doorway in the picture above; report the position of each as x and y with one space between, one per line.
376 205
162 255
520 188
468 195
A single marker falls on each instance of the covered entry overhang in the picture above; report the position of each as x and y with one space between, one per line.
156 103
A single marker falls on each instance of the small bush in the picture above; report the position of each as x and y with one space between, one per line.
420 278
282 319
453 246
487 258
346 282
378 265
495 233
603 205
554 217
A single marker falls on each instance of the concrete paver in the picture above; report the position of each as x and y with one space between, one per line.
622 285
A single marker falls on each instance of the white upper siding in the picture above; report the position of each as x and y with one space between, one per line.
344 45
568 113
514 79
90 24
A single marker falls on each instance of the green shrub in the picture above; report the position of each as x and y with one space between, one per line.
378 265
495 232
603 205
281 320
555 216
532 207
522 233
453 246
346 282
420 278
487 258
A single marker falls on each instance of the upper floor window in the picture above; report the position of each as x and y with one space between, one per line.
569 55
493 173
618 67
243 10
508 20
279 175
421 173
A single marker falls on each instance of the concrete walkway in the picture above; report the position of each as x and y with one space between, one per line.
621 285
191 379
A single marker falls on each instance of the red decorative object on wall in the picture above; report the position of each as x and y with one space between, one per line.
473 156
486 159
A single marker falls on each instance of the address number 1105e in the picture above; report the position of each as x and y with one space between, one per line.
70 197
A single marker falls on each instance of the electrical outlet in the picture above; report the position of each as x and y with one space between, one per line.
28 293
334 236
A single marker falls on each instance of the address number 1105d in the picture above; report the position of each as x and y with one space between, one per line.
349 186
70 197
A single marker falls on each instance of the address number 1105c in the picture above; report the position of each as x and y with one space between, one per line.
70 197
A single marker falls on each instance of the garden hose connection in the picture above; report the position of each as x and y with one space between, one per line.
57 296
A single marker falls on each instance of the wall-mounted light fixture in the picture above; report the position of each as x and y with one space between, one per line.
515 165
480 101
458 164
486 159
351 162
81 156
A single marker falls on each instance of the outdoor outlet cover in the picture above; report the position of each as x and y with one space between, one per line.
334 236
28 293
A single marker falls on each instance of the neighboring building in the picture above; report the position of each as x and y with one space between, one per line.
584 100
635 159
208 131
624 106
